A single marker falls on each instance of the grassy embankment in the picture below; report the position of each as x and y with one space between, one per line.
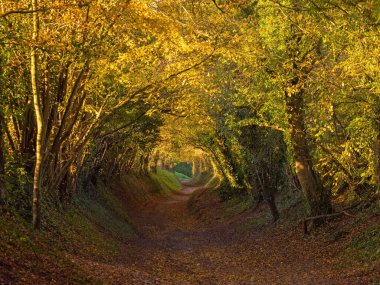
93 226
181 176
166 181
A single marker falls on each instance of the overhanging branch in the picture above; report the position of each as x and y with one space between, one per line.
4 15
124 102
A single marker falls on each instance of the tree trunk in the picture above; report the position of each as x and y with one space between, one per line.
195 167
2 162
376 176
155 164
273 207
266 194
36 208
316 195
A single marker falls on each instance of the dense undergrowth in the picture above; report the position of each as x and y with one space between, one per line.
92 226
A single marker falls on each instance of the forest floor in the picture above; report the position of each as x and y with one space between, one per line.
200 244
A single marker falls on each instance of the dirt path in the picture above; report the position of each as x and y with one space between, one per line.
174 247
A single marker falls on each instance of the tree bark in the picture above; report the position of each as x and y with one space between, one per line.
273 207
316 195
2 162
36 207
376 176
266 194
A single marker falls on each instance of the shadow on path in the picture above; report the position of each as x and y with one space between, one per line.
174 247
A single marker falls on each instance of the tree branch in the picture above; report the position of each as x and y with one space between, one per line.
126 125
124 102
21 12
217 6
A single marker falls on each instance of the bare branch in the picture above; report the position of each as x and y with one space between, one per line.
21 12
126 125
217 6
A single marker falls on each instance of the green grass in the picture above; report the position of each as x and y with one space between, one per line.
134 189
181 176
110 211
78 230
108 220
166 181
366 245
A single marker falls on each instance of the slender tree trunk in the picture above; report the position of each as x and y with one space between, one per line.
146 164
376 178
2 162
376 175
36 208
28 130
155 164
195 167
316 195
266 194
172 166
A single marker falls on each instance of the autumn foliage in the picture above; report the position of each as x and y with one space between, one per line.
262 98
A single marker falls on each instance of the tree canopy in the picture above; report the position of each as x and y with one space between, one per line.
266 94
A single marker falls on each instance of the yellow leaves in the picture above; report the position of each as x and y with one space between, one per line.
150 113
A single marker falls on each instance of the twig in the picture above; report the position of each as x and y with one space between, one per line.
217 6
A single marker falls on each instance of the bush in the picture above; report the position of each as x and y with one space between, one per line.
18 185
